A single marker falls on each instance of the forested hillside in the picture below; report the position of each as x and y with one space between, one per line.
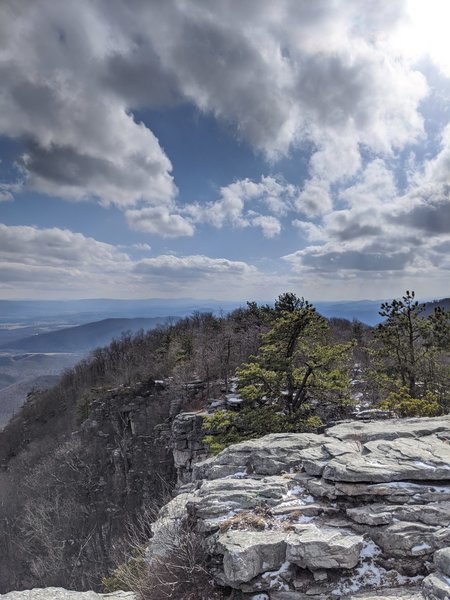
82 459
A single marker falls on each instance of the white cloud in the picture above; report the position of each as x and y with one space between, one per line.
270 226
381 235
312 232
376 185
192 267
315 198
238 200
318 72
5 196
142 247
159 221
81 141
35 261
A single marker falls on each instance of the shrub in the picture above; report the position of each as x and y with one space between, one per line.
175 570
228 427
403 405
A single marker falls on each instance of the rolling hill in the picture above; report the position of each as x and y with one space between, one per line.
82 338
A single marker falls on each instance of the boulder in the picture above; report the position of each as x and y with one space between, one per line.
356 512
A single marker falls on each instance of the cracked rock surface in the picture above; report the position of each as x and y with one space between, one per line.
361 511
54 593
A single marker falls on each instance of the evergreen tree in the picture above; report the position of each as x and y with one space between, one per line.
410 350
296 362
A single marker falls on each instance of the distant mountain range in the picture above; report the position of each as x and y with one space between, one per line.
76 312
83 311
81 338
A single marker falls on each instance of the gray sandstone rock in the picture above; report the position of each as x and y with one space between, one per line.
436 513
436 587
222 497
324 548
411 539
389 594
246 554
271 455
426 458
390 429
442 561
53 593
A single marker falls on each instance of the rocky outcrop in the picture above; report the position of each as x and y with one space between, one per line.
186 435
54 593
358 511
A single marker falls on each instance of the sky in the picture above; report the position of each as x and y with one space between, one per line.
227 149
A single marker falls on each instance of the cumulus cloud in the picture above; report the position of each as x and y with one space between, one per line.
237 203
331 258
53 247
381 233
315 198
270 226
312 232
57 260
203 276
38 260
72 74
159 221
80 142
192 267
376 185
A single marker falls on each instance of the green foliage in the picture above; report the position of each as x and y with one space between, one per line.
229 427
410 352
297 361
403 405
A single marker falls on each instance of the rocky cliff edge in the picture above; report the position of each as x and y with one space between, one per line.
360 511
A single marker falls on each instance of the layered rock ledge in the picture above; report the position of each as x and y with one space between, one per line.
360 511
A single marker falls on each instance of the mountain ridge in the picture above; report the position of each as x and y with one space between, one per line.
82 337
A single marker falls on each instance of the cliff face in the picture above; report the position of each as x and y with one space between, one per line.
78 499
360 508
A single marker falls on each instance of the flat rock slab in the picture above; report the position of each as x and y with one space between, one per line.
435 513
221 497
390 429
411 539
427 458
246 554
389 594
324 548
54 593
271 455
